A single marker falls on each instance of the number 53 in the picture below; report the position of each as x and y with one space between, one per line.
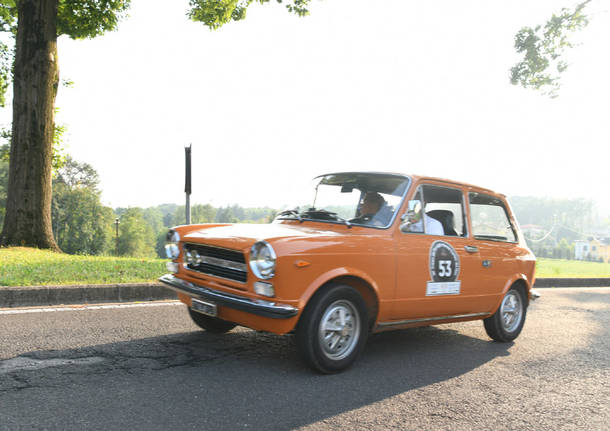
444 267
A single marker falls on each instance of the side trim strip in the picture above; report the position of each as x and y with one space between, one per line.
430 319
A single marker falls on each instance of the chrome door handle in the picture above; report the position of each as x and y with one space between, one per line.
471 248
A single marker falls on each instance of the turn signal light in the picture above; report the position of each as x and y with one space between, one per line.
264 289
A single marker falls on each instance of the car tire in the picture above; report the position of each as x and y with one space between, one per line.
211 324
507 322
333 329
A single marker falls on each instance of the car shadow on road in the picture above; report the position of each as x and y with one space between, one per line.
240 379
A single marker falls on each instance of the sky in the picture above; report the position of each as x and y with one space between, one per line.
377 85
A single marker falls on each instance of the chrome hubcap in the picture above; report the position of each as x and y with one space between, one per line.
339 330
511 311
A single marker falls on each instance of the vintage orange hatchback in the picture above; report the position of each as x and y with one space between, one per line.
369 252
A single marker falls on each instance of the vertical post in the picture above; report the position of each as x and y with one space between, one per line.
116 223
187 182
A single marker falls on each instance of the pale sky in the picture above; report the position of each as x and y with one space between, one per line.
377 85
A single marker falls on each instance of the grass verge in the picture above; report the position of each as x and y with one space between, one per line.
561 268
21 266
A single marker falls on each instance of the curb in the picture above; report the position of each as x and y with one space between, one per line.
39 296
32 296
572 282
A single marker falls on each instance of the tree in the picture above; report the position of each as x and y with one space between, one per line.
35 80
81 224
564 249
567 217
154 217
3 183
199 214
136 237
225 215
543 48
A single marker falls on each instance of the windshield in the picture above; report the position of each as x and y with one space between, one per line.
363 199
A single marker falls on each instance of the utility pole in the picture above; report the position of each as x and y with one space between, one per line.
187 182
116 223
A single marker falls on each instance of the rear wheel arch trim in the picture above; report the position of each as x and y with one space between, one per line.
515 280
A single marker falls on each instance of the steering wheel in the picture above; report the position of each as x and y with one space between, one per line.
367 219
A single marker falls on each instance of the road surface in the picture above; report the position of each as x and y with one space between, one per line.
148 367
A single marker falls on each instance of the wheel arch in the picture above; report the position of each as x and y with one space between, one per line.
366 288
518 280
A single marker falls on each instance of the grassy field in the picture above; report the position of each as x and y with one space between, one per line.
32 267
561 268
21 266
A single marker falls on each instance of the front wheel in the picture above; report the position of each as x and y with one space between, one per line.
211 324
507 322
333 329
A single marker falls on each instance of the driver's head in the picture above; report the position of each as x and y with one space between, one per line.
371 203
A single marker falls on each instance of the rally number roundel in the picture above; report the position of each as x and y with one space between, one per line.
444 262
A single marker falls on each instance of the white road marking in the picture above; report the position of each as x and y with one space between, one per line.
87 307
22 363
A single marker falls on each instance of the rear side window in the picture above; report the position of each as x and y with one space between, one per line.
490 219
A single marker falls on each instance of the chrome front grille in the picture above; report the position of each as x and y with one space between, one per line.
219 262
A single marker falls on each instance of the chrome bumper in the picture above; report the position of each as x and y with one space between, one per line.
258 307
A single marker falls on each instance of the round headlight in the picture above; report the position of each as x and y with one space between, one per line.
171 247
262 260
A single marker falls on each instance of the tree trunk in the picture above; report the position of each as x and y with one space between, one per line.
35 78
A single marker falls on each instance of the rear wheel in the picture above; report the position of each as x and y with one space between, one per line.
211 324
333 329
507 322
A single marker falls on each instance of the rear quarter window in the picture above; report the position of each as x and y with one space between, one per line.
490 219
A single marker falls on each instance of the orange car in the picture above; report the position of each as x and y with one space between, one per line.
369 252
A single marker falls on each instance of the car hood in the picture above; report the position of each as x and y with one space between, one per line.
243 236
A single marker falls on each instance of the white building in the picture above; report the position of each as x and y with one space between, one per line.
581 249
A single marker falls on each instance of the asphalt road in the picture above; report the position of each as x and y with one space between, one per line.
151 368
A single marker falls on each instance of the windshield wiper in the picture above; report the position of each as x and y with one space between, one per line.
292 213
344 221
326 214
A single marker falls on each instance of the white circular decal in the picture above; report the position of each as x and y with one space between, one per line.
444 262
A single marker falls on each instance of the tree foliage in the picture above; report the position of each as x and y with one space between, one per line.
8 24
81 224
216 13
136 237
82 19
576 214
37 24
78 175
59 151
543 48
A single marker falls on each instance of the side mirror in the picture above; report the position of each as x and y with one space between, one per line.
412 216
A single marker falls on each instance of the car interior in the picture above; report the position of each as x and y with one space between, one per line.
446 205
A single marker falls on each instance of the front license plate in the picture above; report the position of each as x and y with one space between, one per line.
208 308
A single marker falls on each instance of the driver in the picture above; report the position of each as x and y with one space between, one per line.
371 204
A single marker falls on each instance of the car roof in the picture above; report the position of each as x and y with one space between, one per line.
416 178
455 183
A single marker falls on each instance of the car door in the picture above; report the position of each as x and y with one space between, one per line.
436 273
495 237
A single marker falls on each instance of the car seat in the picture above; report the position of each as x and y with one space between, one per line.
445 217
